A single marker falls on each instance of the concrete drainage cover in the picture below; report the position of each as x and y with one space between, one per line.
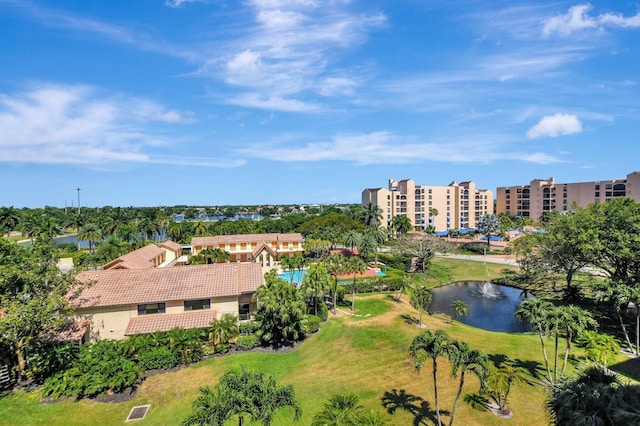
138 412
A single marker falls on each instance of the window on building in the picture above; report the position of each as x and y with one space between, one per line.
151 308
197 305
597 193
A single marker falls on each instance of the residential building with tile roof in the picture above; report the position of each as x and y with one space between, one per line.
149 256
121 302
264 249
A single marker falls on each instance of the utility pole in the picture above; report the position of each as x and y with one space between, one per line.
78 189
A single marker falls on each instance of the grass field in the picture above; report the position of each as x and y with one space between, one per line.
364 354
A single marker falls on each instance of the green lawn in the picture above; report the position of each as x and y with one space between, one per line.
365 354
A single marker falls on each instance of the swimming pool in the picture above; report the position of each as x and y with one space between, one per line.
294 276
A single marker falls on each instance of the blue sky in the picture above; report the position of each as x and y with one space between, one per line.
213 102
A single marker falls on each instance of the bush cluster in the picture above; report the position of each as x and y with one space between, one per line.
245 343
158 358
311 324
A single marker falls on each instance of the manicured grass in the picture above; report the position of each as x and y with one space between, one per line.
444 271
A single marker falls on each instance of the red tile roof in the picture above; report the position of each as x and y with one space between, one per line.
164 322
137 259
117 287
244 238
171 245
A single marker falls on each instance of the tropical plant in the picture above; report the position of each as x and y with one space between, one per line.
595 397
352 239
535 312
421 299
403 283
500 381
355 266
336 265
9 219
91 233
401 224
281 309
574 321
199 228
316 282
489 224
618 295
371 214
430 345
340 410
460 308
463 360
242 392
223 330
600 348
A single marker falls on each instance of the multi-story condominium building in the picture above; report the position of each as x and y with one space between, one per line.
542 196
261 248
458 205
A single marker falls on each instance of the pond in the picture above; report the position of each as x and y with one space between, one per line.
491 306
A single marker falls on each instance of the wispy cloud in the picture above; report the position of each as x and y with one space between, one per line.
179 3
290 53
577 19
63 124
66 20
387 148
555 125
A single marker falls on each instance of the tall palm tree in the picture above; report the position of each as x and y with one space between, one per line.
199 228
618 295
336 265
535 312
352 239
575 320
464 359
147 227
460 308
91 233
340 410
371 214
355 266
9 219
317 281
420 300
175 231
489 225
47 228
401 224
430 345
367 245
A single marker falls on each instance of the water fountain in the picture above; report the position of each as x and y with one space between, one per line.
491 306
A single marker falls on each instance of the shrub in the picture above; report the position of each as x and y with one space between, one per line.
158 358
311 324
340 293
245 343
248 327
100 368
323 311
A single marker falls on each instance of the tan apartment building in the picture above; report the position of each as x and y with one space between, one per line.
124 302
264 249
545 195
456 206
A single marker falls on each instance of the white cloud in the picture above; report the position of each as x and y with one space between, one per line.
578 19
276 103
555 125
178 3
63 124
383 147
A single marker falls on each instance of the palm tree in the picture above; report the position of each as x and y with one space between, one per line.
287 264
211 408
460 308
464 359
356 266
223 330
336 265
199 228
634 297
420 300
91 233
317 281
352 239
371 214
575 320
9 219
618 295
403 283
489 224
600 348
535 312
500 381
47 228
596 397
340 410
175 231
367 245
147 228
430 345
163 222
401 224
